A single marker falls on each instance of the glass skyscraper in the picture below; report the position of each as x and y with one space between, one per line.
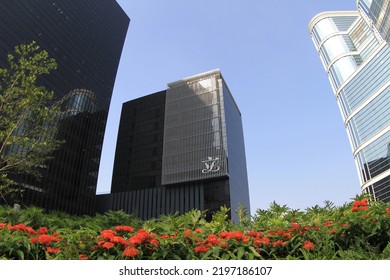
377 12
86 39
356 58
181 149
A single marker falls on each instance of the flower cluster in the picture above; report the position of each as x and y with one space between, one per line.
40 237
126 241
295 237
360 205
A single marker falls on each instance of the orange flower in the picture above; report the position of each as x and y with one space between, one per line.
266 240
295 226
308 245
213 240
154 242
83 257
43 230
53 250
135 240
119 240
201 249
316 227
124 228
278 243
257 243
252 233
46 239
130 252
108 245
108 233
328 223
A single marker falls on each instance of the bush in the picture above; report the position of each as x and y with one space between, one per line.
357 230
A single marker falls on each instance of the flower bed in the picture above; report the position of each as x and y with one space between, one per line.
359 230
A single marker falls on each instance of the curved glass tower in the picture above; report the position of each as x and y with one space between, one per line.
356 58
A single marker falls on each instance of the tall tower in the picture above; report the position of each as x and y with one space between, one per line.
378 14
180 149
356 59
86 39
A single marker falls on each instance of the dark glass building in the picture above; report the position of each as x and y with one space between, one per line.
180 149
86 39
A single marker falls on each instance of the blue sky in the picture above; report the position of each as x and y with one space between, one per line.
297 149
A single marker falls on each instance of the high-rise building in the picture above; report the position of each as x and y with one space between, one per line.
378 14
86 40
180 149
356 58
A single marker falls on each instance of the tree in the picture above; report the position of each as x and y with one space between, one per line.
27 115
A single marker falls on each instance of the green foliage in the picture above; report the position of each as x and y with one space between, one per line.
27 114
359 230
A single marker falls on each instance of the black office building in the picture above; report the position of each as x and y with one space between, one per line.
180 149
86 39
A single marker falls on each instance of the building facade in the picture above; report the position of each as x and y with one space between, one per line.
181 149
377 13
86 39
356 58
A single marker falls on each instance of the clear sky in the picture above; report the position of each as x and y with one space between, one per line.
297 149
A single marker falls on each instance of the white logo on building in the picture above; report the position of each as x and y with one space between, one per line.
211 165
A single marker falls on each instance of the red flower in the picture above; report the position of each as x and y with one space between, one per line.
83 257
316 227
213 240
252 233
356 203
108 233
224 235
355 209
201 249
2 225
364 208
164 236
363 202
43 230
187 232
108 245
130 252
278 243
135 240
308 245
53 250
143 235
118 240
223 245
124 228
198 230
266 240
46 239
328 223
295 226
154 242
